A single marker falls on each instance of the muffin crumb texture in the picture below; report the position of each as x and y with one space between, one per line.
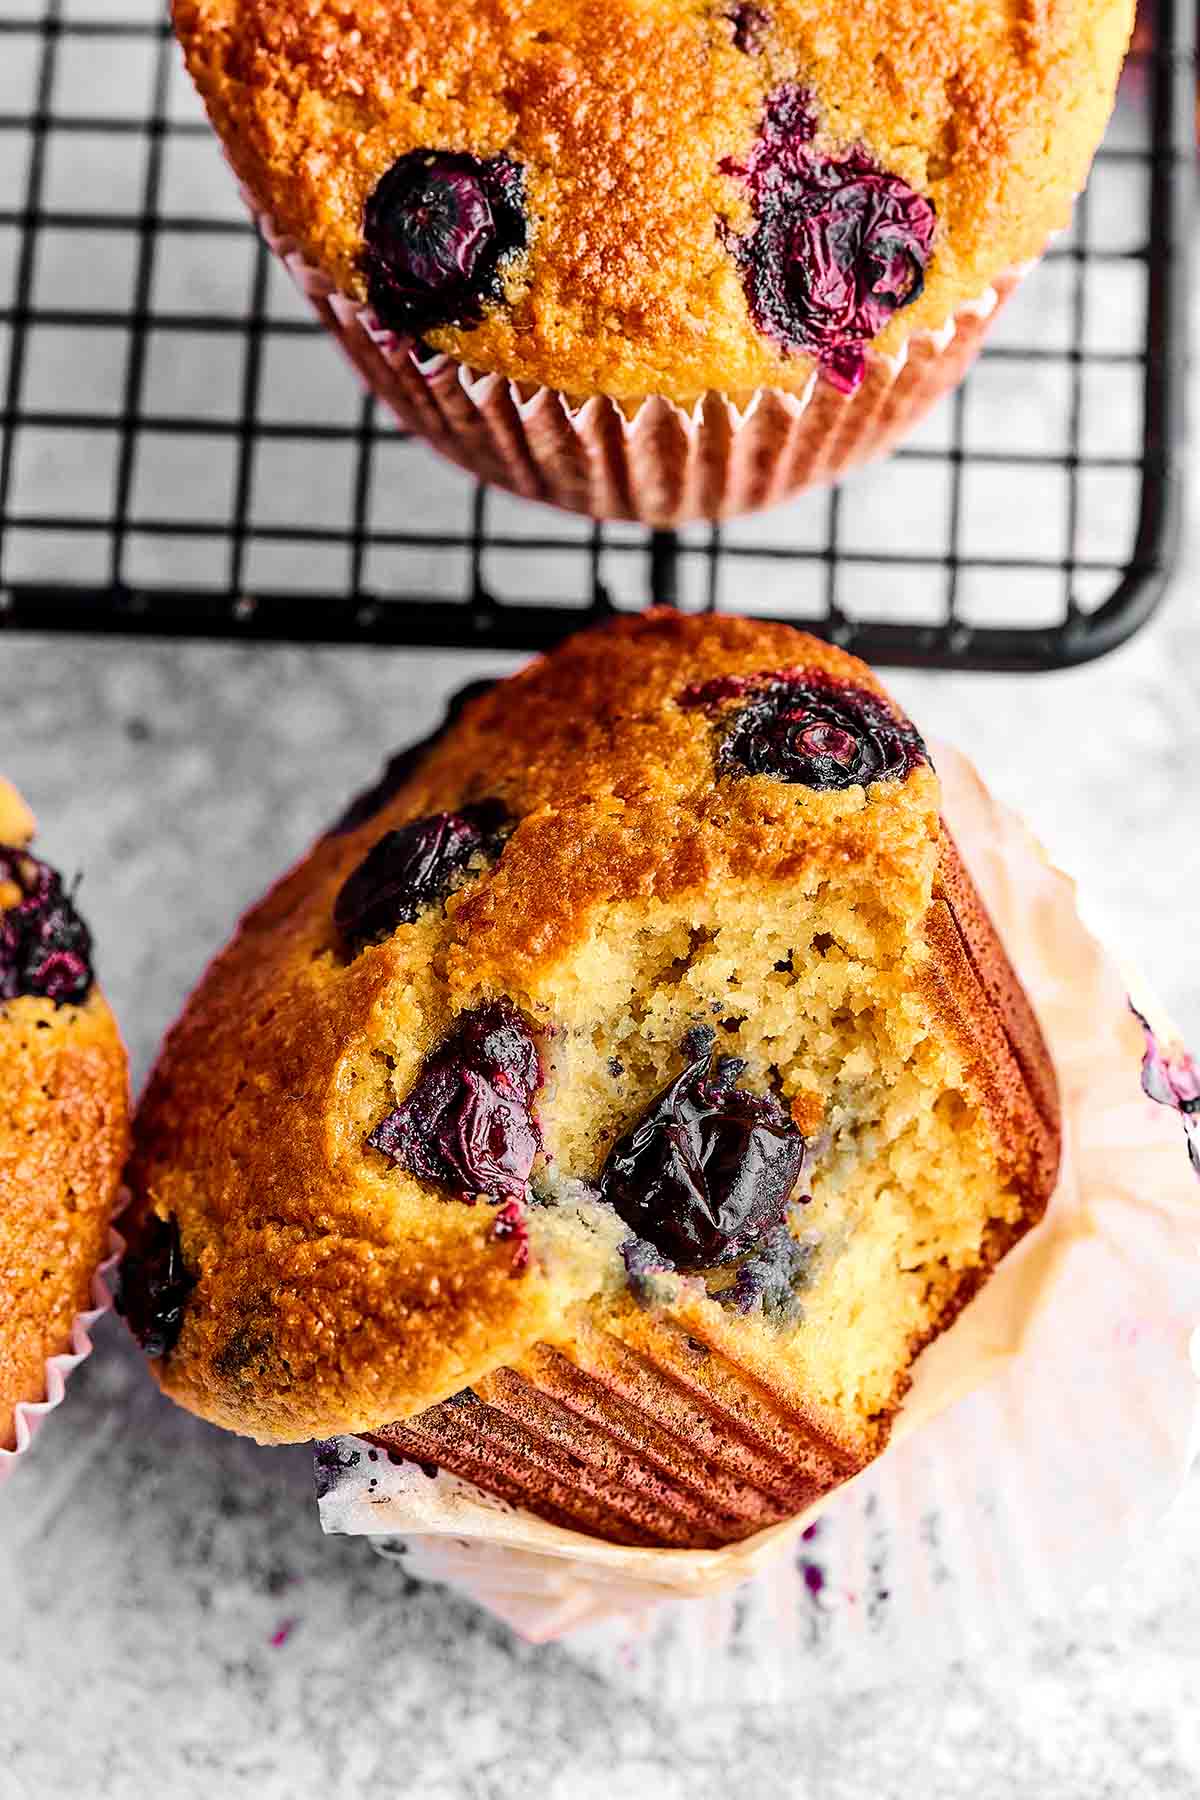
625 1164
671 197
63 1115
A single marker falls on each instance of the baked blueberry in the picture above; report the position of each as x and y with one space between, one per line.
45 947
709 1168
511 1222
819 733
412 868
838 244
153 1286
439 226
467 1123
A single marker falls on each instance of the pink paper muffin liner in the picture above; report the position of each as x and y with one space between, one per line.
29 1415
662 464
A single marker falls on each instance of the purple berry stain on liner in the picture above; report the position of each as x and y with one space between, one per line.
153 1286
644 1262
839 245
45 947
467 1123
438 228
1173 1080
412 868
709 1168
809 730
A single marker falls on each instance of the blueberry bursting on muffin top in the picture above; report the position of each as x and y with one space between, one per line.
412 868
45 947
838 245
806 729
439 228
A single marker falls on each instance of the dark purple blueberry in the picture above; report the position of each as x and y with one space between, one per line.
153 1286
467 1123
45 947
770 1279
749 27
412 868
819 733
838 246
439 227
814 1576
405 763
709 1168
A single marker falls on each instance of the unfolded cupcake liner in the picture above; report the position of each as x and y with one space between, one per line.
30 1415
1043 1435
659 464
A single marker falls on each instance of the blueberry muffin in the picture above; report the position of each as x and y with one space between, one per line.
655 200
63 1115
611 1106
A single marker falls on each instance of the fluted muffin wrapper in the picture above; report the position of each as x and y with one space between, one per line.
659 463
30 1415
1044 1432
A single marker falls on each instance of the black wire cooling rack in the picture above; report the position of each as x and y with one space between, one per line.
183 452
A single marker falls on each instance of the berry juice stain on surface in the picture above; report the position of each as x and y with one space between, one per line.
45 947
749 24
709 1168
467 1123
439 227
839 245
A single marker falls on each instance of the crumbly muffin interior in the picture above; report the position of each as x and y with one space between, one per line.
817 993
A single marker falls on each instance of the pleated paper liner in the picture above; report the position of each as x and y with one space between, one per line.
1044 1432
30 1415
660 464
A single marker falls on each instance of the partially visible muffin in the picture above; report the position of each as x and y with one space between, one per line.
64 1114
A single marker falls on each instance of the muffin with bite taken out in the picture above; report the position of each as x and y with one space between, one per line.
611 1106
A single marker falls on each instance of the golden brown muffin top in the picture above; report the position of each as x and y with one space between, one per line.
64 1112
322 1287
635 123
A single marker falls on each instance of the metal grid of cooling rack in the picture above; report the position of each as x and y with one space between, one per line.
183 452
